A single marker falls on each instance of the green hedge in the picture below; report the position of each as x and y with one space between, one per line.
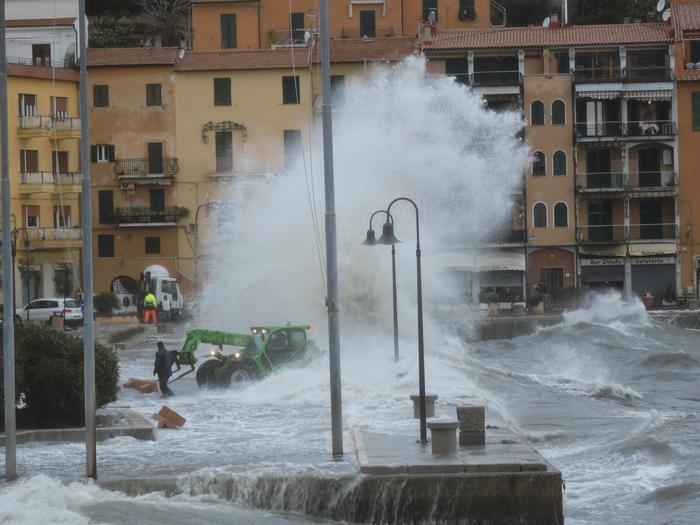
49 376
105 302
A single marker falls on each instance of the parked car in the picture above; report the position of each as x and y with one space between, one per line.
42 310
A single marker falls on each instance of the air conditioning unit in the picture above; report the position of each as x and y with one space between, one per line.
125 186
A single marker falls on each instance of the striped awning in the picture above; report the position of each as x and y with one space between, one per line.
618 250
650 95
652 249
600 95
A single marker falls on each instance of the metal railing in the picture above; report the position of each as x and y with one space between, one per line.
55 234
598 129
658 231
620 181
379 32
602 181
48 177
495 78
167 167
293 38
597 74
653 180
648 74
601 233
650 128
48 122
143 215
508 235
22 61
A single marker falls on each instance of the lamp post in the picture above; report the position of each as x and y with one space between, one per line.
196 238
370 241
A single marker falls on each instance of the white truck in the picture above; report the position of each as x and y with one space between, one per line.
164 287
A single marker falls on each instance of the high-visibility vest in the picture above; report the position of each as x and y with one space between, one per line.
150 300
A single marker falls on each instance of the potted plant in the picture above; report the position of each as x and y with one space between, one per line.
490 298
536 303
669 297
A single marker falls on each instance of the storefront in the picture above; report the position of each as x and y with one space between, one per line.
654 270
602 266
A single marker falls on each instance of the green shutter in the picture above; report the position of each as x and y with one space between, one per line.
696 110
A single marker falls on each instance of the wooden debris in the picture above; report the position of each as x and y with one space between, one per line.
168 418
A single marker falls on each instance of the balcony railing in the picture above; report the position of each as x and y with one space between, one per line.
653 180
602 181
597 74
293 38
48 122
601 233
143 215
48 177
648 74
508 236
379 32
495 78
165 167
598 129
660 231
38 62
55 234
650 128
620 181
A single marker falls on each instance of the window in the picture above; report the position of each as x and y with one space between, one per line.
152 245
540 215
41 54
102 153
105 245
228 31
296 24
559 163
466 10
458 68
292 148
368 24
100 96
105 206
59 107
153 95
290 90
337 90
538 164
156 199
30 215
222 91
696 110
28 161
558 113
224 151
563 63
61 217
27 105
695 51
60 162
537 113
428 7
155 157
561 215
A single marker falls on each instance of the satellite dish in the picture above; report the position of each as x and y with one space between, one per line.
660 5
666 15
546 22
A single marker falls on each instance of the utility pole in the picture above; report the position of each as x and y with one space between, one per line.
331 247
8 316
86 207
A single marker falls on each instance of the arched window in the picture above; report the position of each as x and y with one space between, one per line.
561 215
538 164
540 215
559 163
558 113
537 113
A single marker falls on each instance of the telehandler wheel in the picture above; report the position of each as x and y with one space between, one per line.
205 373
237 375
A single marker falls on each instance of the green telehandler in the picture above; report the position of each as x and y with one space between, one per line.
262 351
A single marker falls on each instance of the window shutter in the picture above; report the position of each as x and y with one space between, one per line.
93 153
696 111
110 152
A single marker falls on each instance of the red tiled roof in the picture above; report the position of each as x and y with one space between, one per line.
359 50
40 22
244 59
131 56
521 37
43 73
685 16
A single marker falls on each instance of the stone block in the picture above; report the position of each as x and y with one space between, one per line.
443 437
471 418
472 439
429 405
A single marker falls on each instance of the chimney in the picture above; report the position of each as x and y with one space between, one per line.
554 21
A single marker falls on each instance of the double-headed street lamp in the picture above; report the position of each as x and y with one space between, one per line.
370 241
388 237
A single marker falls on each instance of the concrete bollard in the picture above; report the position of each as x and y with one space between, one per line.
472 426
429 405
443 437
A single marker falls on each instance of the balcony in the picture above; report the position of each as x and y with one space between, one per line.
146 170
55 234
30 126
653 181
648 74
650 128
45 62
656 232
495 78
646 183
49 182
284 38
507 236
597 130
636 130
143 216
601 182
601 233
597 74
379 32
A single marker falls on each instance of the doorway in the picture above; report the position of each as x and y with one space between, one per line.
553 280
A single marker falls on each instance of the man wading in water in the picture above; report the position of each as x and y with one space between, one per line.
163 367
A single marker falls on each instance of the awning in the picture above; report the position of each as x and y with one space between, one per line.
617 250
651 249
602 274
649 96
601 95
475 261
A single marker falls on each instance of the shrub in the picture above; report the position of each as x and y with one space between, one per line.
105 302
49 376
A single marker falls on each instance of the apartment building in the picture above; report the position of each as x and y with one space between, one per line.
44 139
601 196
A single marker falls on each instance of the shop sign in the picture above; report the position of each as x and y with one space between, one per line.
654 260
613 261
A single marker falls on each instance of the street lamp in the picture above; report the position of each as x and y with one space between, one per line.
370 241
388 237
196 238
